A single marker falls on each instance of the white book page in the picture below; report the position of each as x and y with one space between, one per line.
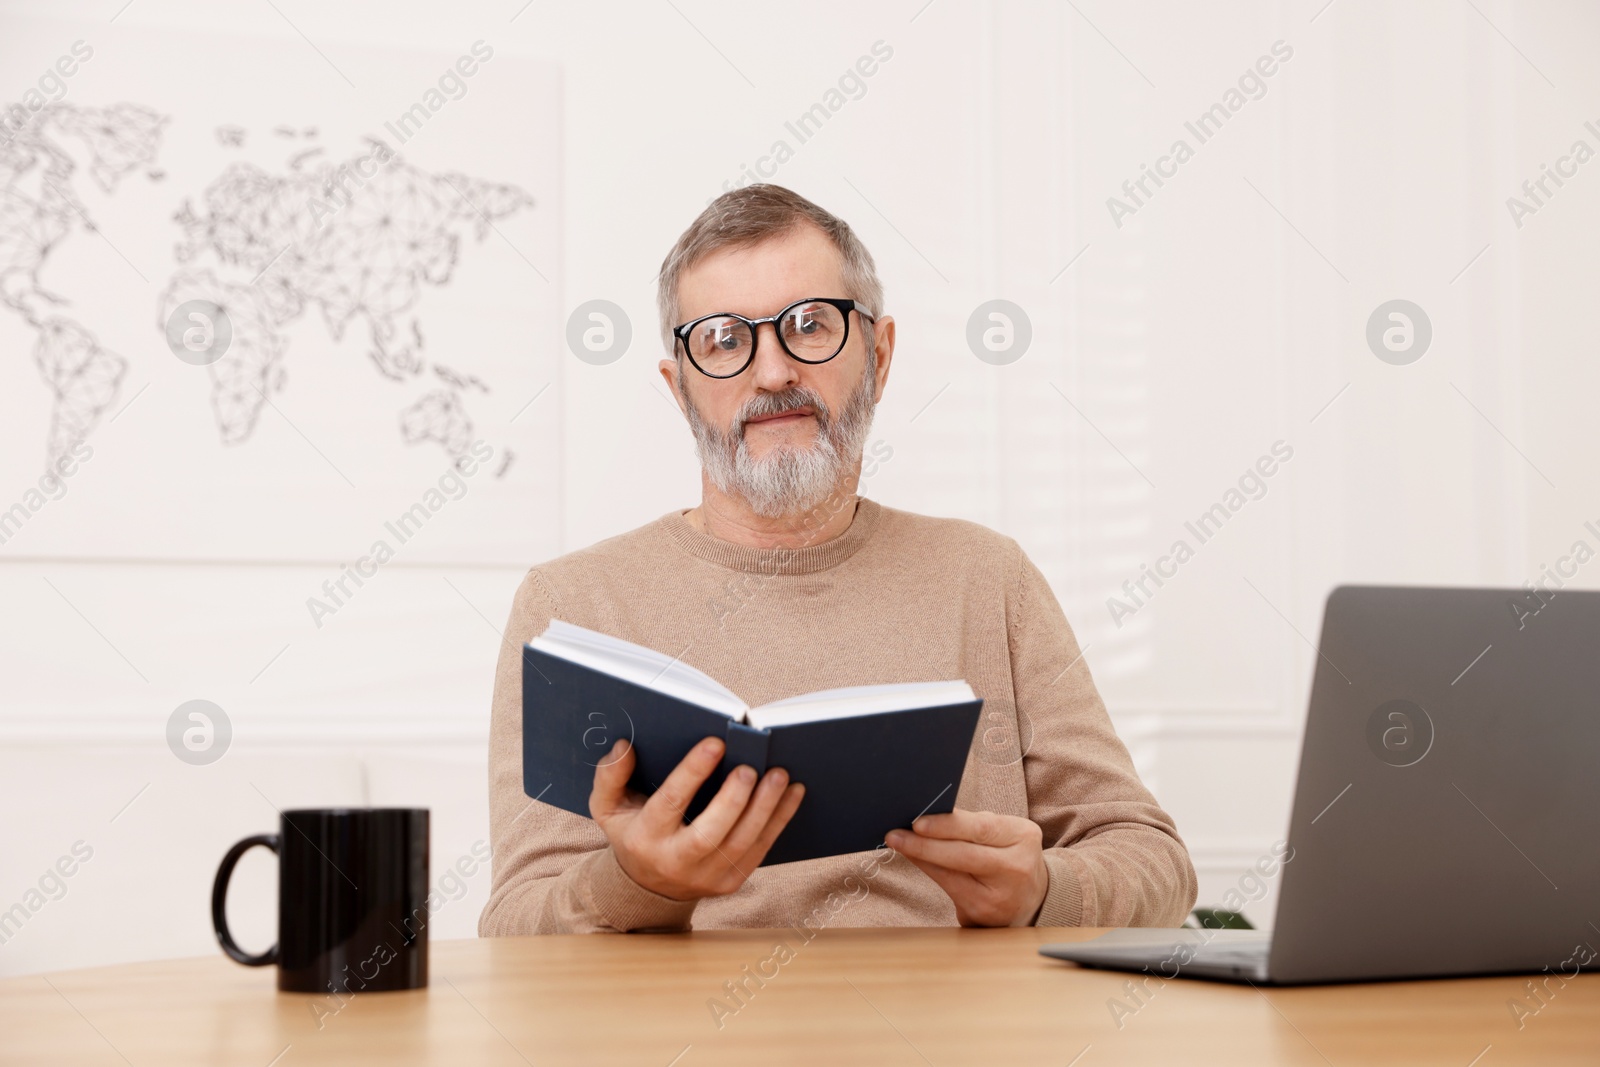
850 701
638 664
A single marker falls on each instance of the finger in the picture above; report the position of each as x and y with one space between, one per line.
957 885
665 809
955 855
787 806
763 802
609 793
979 827
713 824
962 888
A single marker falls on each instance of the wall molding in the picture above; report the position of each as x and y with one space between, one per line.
1202 723
299 729
1230 853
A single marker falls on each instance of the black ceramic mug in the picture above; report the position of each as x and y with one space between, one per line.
352 900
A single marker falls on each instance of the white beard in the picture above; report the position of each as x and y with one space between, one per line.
789 479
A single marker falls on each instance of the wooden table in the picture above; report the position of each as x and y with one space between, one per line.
883 997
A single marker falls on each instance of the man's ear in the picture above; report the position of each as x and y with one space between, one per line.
669 374
883 345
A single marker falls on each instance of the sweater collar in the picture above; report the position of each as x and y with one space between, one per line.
806 559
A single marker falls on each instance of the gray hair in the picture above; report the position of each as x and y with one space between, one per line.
750 215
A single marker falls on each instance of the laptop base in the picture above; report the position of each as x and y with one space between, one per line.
1218 955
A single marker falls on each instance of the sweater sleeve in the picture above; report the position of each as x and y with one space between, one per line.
1114 856
554 872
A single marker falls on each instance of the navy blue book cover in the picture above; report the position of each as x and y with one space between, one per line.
864 775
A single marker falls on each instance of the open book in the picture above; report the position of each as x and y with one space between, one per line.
872 757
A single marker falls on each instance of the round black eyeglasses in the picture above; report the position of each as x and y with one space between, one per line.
813 330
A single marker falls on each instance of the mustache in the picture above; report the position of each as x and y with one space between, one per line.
774 403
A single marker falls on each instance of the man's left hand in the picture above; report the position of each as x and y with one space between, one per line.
991 866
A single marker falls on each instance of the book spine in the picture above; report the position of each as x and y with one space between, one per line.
746 745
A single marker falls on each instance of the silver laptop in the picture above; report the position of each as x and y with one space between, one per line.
1447 814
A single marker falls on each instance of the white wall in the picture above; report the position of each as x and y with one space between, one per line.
1223 316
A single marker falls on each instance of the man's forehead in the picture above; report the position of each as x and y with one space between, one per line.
758 279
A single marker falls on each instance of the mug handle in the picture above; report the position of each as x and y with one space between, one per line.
219 901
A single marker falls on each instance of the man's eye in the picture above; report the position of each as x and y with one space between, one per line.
724 339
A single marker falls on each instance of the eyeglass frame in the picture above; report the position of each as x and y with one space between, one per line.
843 304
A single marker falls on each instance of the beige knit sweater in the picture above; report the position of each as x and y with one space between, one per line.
897 597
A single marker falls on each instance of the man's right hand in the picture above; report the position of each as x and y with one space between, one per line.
714 854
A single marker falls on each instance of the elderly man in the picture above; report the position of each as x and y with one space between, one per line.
783 580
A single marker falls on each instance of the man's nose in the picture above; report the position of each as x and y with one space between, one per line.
774 369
